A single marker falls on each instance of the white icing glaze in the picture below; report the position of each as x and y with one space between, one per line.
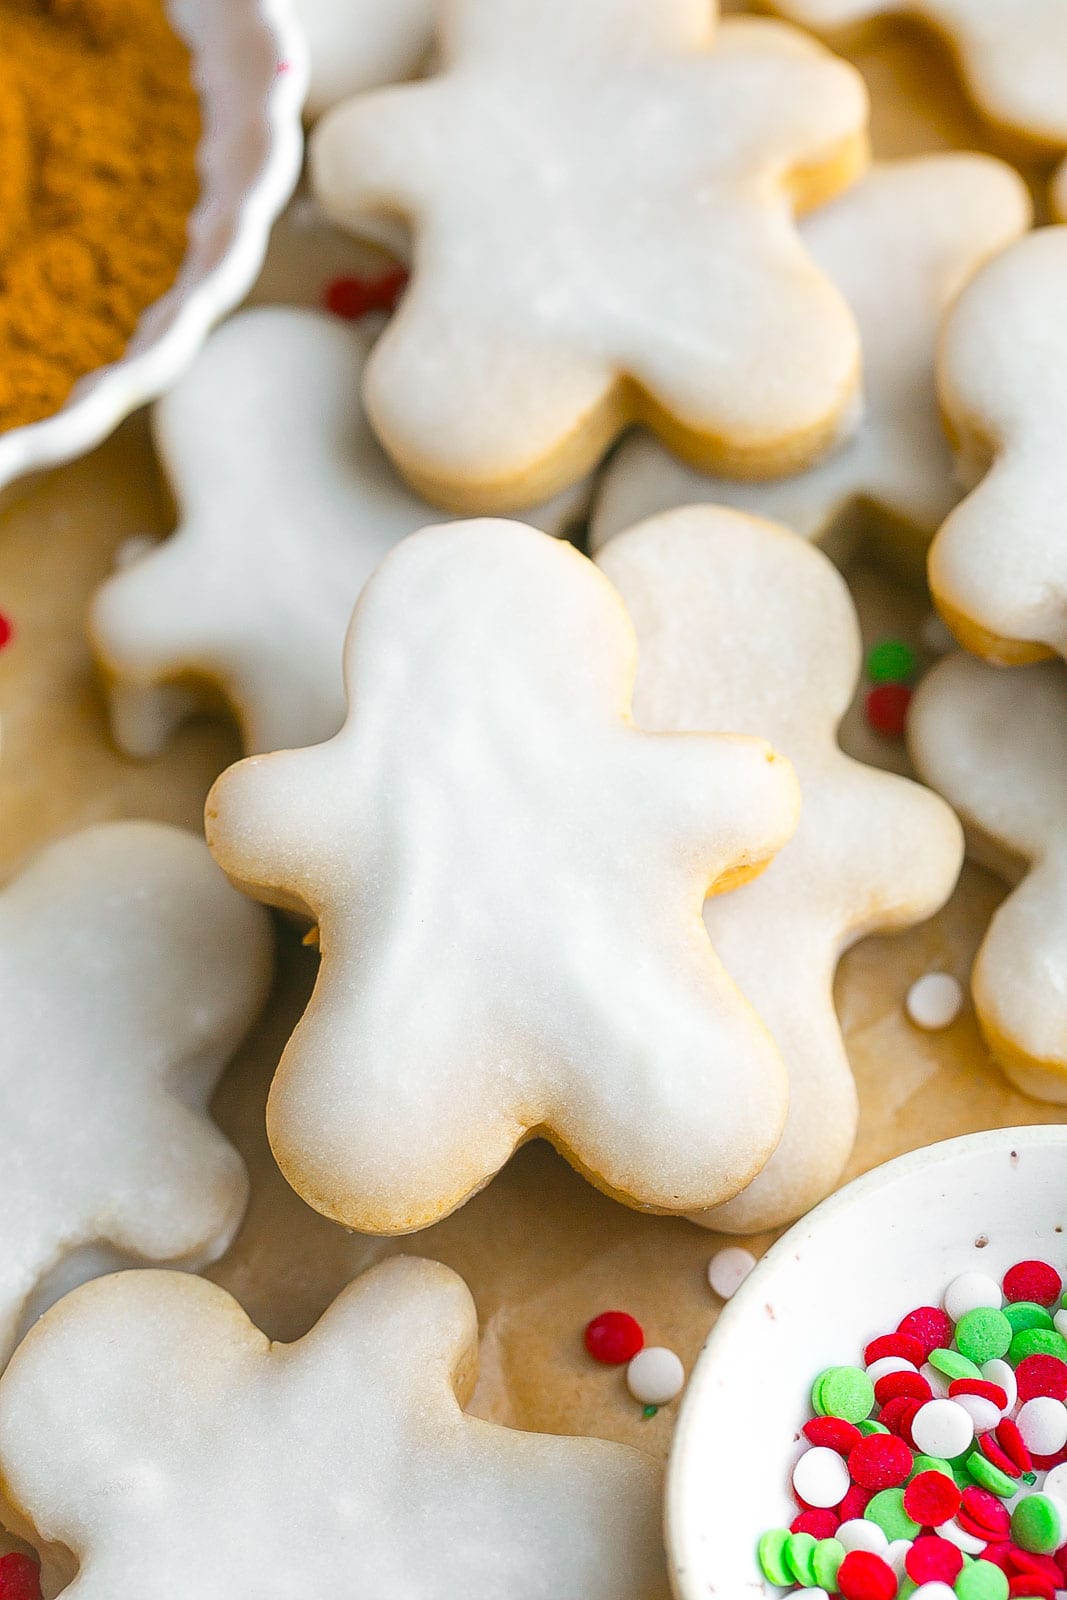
129 972
1000 560
287 505
743 626
360 44
1012 54
488 762
147 1425
995 744
597 194
899 246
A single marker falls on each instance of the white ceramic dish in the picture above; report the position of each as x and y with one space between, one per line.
251 72
892 1240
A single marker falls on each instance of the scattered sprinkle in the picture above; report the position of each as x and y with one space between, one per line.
728 1269
351 298
655 1376
890 661
19 1578
7 633
934 1001
886 709
613 1338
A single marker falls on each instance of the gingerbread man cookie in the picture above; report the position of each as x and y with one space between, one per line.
998 567
129 972
994 743
1012 55
899 246
743 626
508 878
147 1426
600 197
287 505
356 45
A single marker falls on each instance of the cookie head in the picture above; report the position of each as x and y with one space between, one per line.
507 877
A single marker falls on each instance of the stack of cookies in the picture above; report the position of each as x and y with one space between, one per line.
529 601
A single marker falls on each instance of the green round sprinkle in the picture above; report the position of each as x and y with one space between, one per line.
1036 1524
1025 1314
982 1581
844 1392
869 1426
929 1464
954 1365
650 1411
887 1510
990 1477
961 1475
799 1555
772 1560
1037 1342
890 661
826 1564
984 1335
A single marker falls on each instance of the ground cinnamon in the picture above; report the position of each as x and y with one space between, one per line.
99 127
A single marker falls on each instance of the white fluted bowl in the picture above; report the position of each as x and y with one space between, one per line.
250 69
849 1271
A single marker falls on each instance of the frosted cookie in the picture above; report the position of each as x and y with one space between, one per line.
129 972
899 246
508 878
287 505
601 198
995 744
998 567
1012 55
150 1428
359 44
743 626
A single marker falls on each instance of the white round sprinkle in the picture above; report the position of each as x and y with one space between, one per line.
934 1001
859 1534
972 1291
656 1375
1060 1321
963 1541
999 1372
983 1413
942 1428
132 549
887 1364
1056 1482
938 1381
935 1590
896 1554
821 1478
728 1269
1043 1425
936 636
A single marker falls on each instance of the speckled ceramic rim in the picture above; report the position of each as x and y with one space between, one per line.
901 1231
230 224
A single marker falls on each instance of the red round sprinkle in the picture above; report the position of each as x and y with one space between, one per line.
820 1524
351 297
19 1578
898 1416
902 1345
855 1503
1029 1561
865 1576
931 1499
978 1386
887 713
1041 1375
614 1337
1000 1458
909 1384
982 1514
1029 1586
7 633
1011 1442
929 1324
933 1560
1000 1556
1033 1280
832 1433
880 1462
